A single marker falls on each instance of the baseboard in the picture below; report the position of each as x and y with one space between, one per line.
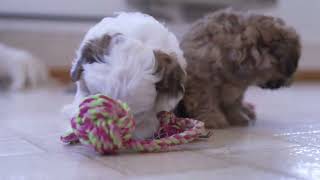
60 74
63 75
308 75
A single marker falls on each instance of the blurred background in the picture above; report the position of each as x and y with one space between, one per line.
52 30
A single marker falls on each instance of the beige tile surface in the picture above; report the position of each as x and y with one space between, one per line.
301 162
230 173
6 134
309 138
241 140
162 163
54 166
282 144
17 147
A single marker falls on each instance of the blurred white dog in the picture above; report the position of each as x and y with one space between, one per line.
133 58
21 68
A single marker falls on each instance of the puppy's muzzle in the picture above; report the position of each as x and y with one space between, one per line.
273 84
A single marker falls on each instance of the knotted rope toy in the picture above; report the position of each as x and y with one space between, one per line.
107 125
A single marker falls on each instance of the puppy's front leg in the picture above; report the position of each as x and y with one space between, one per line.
202 104
207 111
249 110
237 112
240 114
213 118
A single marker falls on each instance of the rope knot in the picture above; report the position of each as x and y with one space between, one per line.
108 125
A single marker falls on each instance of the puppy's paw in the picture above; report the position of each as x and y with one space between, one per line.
241 117
212 124
249 110
214 120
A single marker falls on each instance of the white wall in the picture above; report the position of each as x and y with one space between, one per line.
303 15
56 42
62 7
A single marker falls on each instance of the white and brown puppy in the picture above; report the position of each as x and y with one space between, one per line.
133 58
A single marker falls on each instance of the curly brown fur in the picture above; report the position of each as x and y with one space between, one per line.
227 52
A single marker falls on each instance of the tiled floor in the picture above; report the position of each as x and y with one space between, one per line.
283 144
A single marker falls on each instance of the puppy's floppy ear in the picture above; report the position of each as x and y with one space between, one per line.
248 50
92 52
173 76
282 42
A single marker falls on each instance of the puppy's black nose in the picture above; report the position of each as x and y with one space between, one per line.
273 84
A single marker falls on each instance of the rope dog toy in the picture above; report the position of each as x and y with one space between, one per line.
107 125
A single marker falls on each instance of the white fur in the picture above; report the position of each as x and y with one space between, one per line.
21 67
128 70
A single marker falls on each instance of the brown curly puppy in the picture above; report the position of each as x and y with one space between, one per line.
228 51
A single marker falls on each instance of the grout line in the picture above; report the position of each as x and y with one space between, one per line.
32 143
